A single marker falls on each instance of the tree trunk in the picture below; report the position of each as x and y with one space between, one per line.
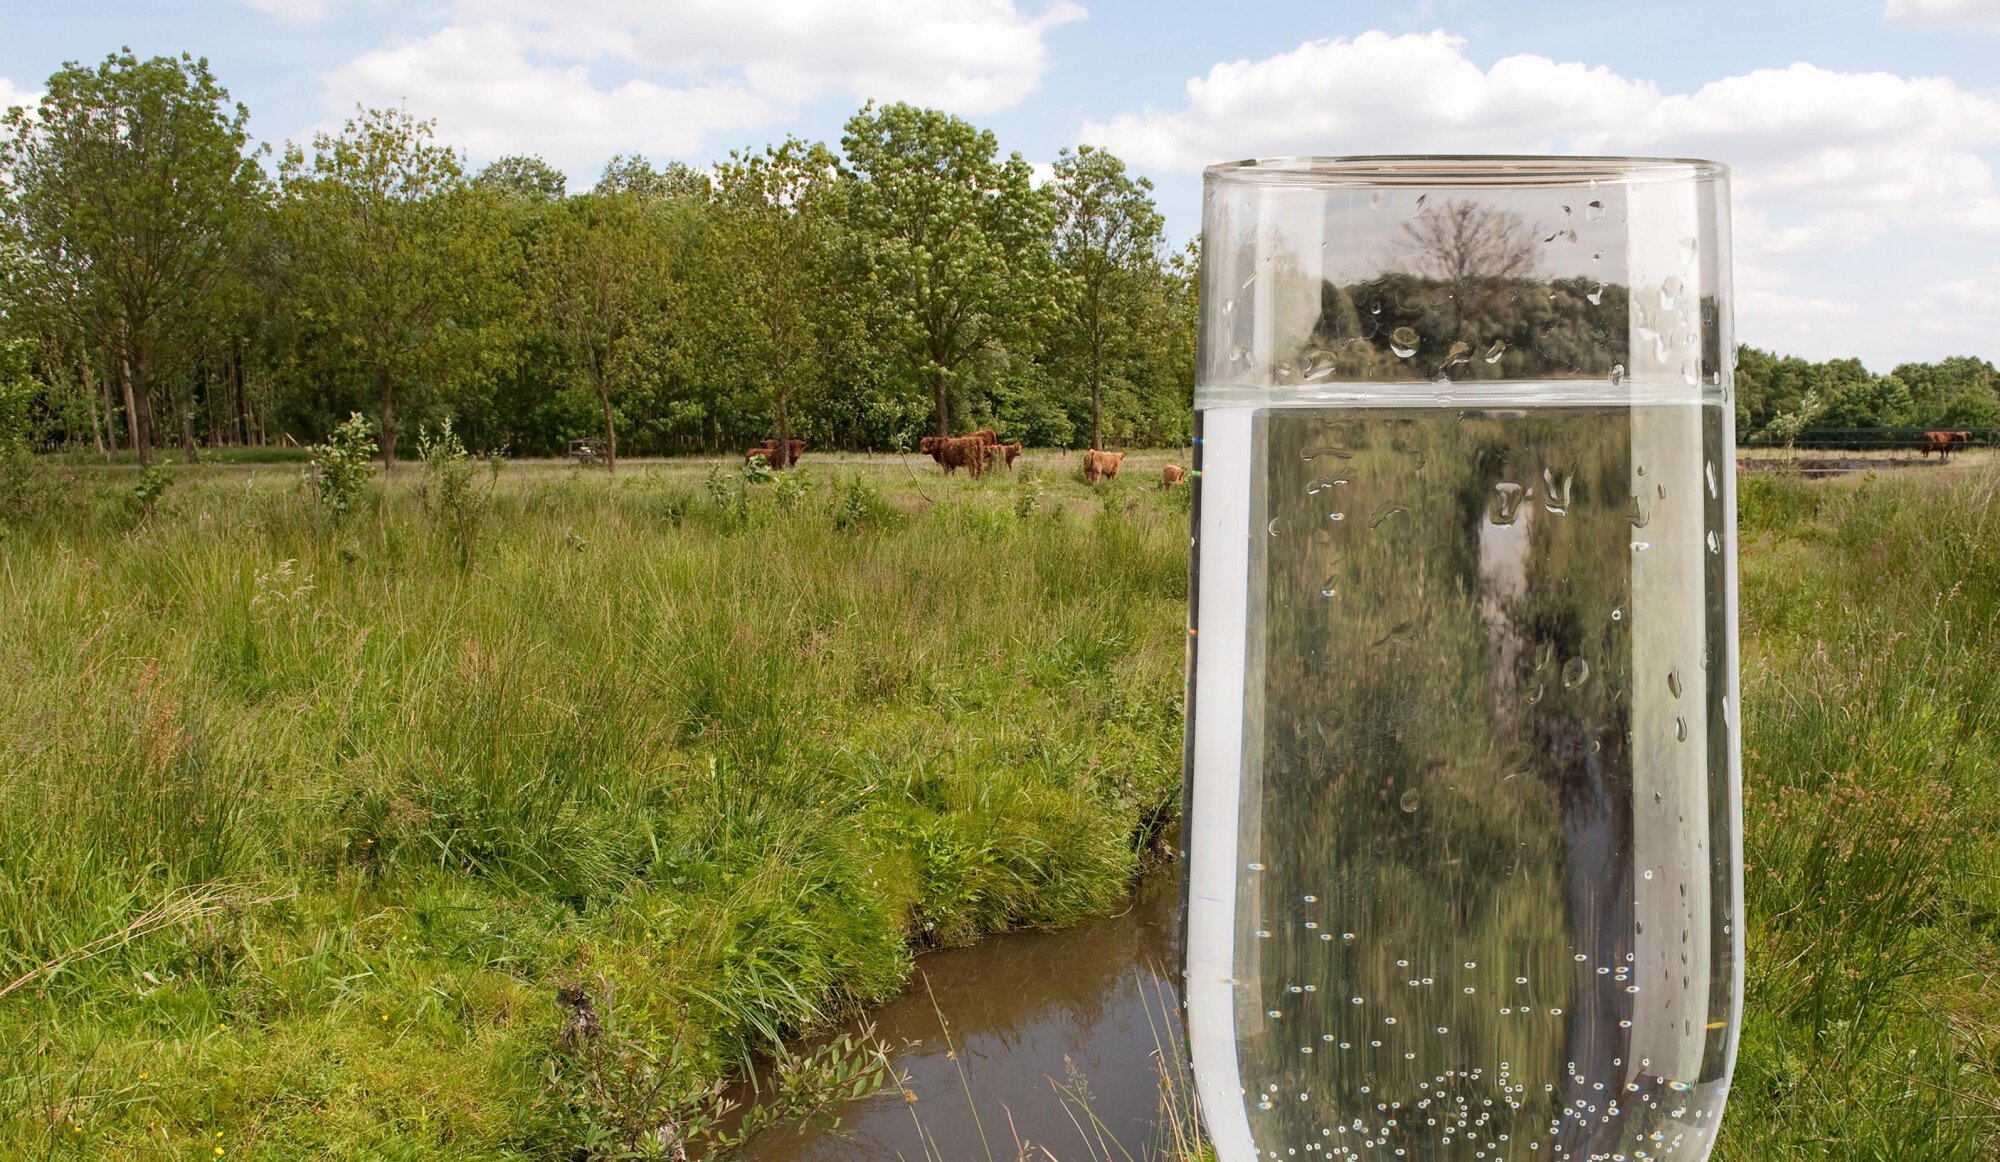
610 429
100 434
186 407
784 430
943 403
139 395
1096 407
388 385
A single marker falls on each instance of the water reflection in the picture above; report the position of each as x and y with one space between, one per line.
1082 1006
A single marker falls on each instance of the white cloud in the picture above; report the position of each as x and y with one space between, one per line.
298 10
1849 187
509 76
12 94
1980 15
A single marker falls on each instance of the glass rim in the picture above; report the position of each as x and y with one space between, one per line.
1453 169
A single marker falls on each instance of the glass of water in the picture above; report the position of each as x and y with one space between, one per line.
1463 826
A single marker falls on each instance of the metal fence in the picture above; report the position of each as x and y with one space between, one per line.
1868 439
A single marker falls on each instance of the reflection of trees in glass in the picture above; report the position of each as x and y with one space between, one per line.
1464 242
1443 805
1461 298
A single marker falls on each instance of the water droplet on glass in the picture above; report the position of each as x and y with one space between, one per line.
1236 353
1384 511
1254 866
1674 682
1708 470
1649 873
1597 256
1618 614
1557 486
1275 525
1681 729
1458 353
1690 246
1593 212
1329 587
1505 505
1494 352
1336 516
1640 514
1576 672
1714 542
1248 281
1410 799
1403 341
1423 202
1535 695
1228 305
1670 291
1274 1014
1617 374
1375 200
1596 295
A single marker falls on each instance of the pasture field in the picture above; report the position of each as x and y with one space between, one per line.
329 837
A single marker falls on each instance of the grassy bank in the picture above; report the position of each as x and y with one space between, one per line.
1871 693
307 822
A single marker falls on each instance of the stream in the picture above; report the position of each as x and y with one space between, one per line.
1056 1036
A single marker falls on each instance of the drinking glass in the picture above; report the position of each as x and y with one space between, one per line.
1463 815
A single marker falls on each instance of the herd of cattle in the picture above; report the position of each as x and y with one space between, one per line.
974 453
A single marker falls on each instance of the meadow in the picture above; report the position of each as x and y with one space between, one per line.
508 813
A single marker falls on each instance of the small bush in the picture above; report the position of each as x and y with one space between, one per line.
342 466
454 505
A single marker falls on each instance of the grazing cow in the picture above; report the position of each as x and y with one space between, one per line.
768 449
1943 443
1100 465
986 436
1171 475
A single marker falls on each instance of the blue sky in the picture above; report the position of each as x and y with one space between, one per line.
1864 136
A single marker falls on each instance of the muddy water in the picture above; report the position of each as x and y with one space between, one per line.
1084 1009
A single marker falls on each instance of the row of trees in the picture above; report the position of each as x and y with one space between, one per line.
1782 396
172 284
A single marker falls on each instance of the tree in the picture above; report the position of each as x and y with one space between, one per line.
526 177
629 173
1107 241
396 257
1465 241
127 190
600 286
776 222
956 241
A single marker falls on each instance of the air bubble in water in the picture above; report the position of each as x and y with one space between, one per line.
1403 341
1575 673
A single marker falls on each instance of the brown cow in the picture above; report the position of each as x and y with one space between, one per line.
1100 465
1171 475
986 436
955 452
1008 453
1943 443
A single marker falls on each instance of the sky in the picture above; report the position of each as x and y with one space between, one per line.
1862 137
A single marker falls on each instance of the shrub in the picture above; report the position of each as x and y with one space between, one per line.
454 505
341 466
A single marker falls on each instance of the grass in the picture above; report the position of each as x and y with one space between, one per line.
304 824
